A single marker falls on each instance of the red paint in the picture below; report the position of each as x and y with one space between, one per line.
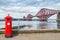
29 17
8 25
45 13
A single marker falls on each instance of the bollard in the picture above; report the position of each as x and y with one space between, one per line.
8 26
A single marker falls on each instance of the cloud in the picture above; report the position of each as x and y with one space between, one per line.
27 9
18 10
57 6
23 7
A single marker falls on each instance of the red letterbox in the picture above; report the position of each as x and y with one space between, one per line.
8 26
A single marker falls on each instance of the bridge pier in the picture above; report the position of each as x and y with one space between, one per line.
29 19
43 20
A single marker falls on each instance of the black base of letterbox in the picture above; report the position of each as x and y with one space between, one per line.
8 36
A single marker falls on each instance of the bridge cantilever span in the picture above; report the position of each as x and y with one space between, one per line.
44 13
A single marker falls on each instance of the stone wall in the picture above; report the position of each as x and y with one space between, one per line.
58 20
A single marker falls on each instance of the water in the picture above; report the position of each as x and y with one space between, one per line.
36 25
32 25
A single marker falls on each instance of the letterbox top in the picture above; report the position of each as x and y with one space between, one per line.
8 17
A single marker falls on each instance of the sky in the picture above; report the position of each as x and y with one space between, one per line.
20 8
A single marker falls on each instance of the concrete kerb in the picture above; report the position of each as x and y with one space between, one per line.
33 31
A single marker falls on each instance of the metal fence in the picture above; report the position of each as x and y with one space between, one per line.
37 25
33 24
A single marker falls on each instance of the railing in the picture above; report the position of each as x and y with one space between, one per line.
35 24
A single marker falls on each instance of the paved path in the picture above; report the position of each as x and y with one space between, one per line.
33 36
